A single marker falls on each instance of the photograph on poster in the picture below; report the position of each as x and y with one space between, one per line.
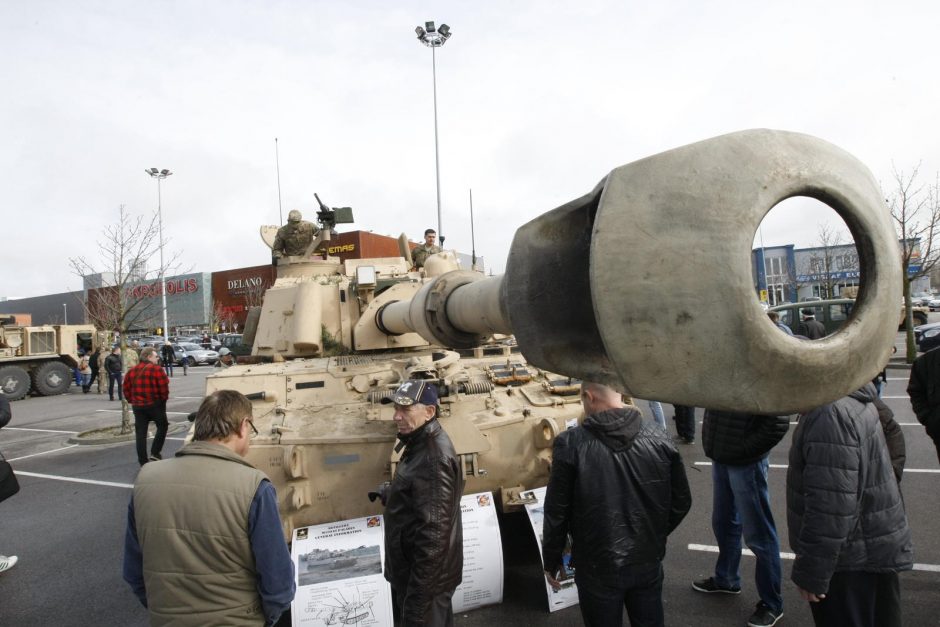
339 574
321 565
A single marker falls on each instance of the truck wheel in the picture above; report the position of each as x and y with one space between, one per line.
14 382
919 318
51 378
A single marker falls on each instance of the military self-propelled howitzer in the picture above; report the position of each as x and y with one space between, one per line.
645 284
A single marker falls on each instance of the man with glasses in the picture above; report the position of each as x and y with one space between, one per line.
204 543
147 389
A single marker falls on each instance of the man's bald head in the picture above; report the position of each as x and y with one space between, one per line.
597 397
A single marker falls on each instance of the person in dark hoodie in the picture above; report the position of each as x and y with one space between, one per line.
618 486
846 516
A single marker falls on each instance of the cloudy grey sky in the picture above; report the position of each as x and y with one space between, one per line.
537 101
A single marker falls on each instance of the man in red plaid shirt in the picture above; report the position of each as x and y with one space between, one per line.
147 388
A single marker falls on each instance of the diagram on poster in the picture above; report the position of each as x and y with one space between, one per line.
339 574
568 594
482 554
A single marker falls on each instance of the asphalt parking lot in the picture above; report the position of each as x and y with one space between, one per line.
67 525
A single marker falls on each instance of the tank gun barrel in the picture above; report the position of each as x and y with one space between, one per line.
646 283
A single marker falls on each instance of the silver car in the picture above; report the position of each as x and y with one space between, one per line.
197 355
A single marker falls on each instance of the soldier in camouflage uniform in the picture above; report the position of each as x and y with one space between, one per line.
294 237
420 254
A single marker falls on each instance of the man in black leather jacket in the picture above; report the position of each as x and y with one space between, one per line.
423 531
618 486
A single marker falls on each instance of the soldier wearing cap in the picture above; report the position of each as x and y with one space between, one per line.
294 237
423 530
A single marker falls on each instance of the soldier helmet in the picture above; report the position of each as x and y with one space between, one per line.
294 216
224 352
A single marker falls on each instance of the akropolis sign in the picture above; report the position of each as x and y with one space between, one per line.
173 286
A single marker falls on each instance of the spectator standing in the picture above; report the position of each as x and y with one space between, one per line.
738 445
114 366
775 318
94 365
84 369
924 390
204 543
147 389
168 357
846 516
810 327
618 487
423 530
684 418
6 413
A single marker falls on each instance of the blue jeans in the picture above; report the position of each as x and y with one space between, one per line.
639 589
741 506
658 416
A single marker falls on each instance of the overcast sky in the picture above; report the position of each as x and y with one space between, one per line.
537 102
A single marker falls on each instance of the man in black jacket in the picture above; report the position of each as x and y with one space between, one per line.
924 390
738 445
423 530
845 514
618 486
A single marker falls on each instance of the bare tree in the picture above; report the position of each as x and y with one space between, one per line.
123 255
915 207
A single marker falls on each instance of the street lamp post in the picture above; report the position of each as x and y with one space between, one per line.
160 175
435 38
65 310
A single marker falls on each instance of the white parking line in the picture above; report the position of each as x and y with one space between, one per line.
708 548
16 459
40 430
785 466
110 484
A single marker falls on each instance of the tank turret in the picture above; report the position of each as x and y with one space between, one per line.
645 284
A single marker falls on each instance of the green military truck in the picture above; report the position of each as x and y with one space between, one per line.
40 358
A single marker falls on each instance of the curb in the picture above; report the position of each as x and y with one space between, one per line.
103 437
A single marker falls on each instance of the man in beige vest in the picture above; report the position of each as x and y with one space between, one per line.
204 544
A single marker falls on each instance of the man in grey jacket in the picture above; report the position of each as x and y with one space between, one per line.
845 514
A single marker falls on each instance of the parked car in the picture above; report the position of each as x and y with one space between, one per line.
831 313
923 299
197 355
934 304
233 342
927 336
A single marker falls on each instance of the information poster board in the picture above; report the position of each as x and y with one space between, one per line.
568 594
339 570
482 554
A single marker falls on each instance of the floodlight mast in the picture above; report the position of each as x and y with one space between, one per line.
434 38
161 175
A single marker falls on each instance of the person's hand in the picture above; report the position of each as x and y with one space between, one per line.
556 586
809 596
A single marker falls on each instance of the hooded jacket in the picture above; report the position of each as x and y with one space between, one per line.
618 486
844 506
423 530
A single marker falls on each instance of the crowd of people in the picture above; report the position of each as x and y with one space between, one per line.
204 542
